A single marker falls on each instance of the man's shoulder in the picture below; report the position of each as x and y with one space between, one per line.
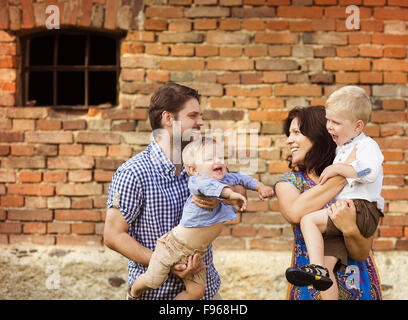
138 164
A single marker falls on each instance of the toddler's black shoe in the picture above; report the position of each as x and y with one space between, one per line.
310 274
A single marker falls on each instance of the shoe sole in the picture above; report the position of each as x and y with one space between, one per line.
301 278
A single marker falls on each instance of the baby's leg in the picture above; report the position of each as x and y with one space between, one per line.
194 291
313 225
333 292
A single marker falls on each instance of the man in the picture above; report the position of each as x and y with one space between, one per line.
148 192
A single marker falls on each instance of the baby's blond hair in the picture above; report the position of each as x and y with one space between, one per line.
194 150
352 101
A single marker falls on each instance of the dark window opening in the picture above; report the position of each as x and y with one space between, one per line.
74 69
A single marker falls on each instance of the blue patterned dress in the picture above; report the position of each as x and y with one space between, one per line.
359 281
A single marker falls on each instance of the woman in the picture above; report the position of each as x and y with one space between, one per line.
299 193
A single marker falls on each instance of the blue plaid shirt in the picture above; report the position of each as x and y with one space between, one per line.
151 197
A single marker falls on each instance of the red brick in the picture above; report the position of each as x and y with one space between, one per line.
86 240
44 124
297 90
269 232
31 189
206 51
270 244
4 17
395 231
164 12
277 25
395 77
207 12
399 168
248 92
243 231
276 38
70 149
395 194
85 18
29 176
300 12
387 116
34 227
273 116
390 13
381 244
58 227
83 189
371 51
180 26
28 14
83 228
22 150
55 176
10 227
12 201
181 64
206 24
371 77
111 10
347 64
382 38
390 65
227 64
81 162
77 215
393 104
30 215
101 175
155 25
395 52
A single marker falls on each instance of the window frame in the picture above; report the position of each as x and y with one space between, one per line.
55 68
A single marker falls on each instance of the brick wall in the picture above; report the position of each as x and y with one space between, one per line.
252 60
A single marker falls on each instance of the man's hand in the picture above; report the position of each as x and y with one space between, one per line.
205 202
193 266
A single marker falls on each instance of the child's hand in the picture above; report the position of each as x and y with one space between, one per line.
327 173
265 191
242 201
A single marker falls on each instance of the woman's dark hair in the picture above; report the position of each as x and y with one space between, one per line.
312 124
170 97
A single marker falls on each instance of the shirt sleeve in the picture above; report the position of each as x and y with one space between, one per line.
126 194
368 163
205 186
239 178
288 177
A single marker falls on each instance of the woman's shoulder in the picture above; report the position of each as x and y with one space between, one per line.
296 178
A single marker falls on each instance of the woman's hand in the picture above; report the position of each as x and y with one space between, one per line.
343 215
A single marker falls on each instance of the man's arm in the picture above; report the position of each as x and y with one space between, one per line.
116 237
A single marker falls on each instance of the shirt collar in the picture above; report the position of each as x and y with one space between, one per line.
353 140
161 161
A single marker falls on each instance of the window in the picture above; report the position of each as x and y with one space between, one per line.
70 69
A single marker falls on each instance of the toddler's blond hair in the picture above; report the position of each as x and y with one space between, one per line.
352 101
193 152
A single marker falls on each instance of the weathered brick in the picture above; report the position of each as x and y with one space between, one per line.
83 189
82 162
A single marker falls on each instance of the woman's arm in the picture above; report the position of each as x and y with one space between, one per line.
343 215
294 205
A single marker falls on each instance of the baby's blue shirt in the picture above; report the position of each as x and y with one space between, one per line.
194 216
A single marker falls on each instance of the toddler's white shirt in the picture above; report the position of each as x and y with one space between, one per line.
368 156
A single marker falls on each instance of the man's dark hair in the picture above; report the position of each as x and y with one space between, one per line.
170 97
312 124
